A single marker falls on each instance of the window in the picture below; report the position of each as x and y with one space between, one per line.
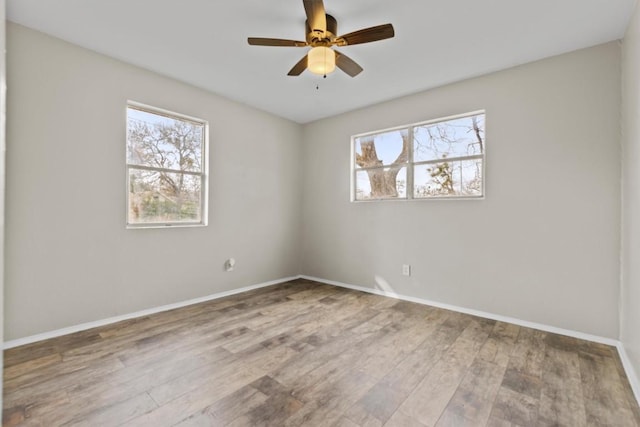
166 168
441 158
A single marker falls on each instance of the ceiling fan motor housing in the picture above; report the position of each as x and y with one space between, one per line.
317 38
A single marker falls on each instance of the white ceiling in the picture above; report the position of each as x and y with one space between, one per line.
204 42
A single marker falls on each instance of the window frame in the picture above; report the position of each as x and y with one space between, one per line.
409 165
204 173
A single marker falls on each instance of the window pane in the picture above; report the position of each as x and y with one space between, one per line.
448 179
163 142
382 183
163 197
381 149
452 138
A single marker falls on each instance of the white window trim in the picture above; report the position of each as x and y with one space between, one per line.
411 164
204 184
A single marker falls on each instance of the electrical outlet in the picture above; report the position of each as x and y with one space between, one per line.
406 270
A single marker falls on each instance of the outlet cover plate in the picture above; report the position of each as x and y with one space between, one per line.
406 270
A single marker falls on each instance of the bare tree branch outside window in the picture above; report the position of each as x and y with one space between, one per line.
437 159
165 168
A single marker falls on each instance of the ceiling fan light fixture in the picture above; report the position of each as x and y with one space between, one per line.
321 34
321 60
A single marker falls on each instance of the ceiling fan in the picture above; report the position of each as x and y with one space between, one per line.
321 31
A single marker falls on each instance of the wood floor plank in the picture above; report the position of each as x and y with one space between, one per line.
346 422
427 402
32 366
332 399
377 405
36 383
631 401
500 344
529 353
561 398
605 400
400 419
383 356
496 422
47 347
196 380
299 368
473 400
173 405
511 407
268 359
131 381
115 414
272 412
32 409
409 373
228 409
307 354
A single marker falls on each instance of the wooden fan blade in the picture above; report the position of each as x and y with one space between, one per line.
347 64
261 41
373 34
316 16
299 67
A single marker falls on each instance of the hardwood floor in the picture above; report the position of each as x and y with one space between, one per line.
304 353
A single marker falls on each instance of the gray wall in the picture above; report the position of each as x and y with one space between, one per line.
630 300
69 257
544 244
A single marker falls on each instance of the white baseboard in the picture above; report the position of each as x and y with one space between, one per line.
153 310
629 369
483 314
103 322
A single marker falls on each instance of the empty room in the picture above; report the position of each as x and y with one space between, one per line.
320 213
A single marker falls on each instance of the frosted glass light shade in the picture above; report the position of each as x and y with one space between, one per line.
321 60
